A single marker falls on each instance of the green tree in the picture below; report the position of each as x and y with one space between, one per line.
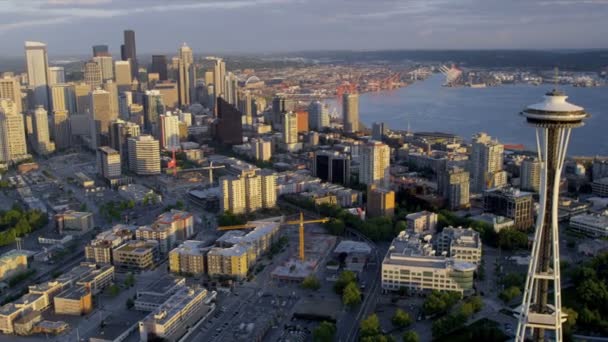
510 293
113 290
411 336
572 317
351 296
325 332
400 226
335 226
511 238
477 303
345 278
439 302
130 303
311 283
370 326
401 319
129 280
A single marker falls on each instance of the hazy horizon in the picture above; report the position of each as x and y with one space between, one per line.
71 27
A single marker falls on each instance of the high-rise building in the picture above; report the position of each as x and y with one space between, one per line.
37 72
302 117
350 112
248 193
11 89
511 203
262 149
83 98
529 174
122 71
92 74
380 202
229 128
332 166
56 75
144 155
169 132
128 52
108 162
106 64
187 75
159 66
61 129
168 92
101 116
280 105
42 139
553 119
100 50
318 116
375 163
378 131
231 89
247 105
219 75
120 132
13 146
455 188
63 97
486 164
290 128
112 88
153 108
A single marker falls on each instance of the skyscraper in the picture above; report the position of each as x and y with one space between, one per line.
159 65
128 52
375 163
290 128
248 193
11 89
331 166
318 116
486 164
144 155
455 188
42 139
63 97
378 130
37 72
120 132
554 119
153 108
106 64
248 107
56 75
13 146
108 162
219 75
350 112
101 116
187 75
231 89
280 105
529 174
92 74
169 132
61 129
100 50
122 70
229 128
83 99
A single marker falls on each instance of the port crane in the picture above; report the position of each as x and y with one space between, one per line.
300 222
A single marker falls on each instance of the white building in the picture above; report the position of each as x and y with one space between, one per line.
486 164
37 72
530 174
169 132
42 138
144 155
375 163
460 244
591 224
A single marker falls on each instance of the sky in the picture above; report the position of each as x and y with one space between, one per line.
71 27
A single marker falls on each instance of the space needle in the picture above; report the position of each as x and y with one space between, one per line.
541 310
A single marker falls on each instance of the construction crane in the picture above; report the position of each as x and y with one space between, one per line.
301 222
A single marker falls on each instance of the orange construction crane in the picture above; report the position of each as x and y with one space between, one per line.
301 222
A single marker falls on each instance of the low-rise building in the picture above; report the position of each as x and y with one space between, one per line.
599 187
460 244
138 194
380 202
595 225
188 258
78 222
12 263
76 300
512 203
158 292
496 221
99 250
423 221
136 255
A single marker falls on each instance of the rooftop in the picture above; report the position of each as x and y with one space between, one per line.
176 304
74 293
595 220
348 246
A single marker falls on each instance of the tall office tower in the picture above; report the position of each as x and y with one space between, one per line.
529 174
56 75
168 92
187 75
486 164
11 89
144 155
100 50
375 163
350 112
280 105
108 162
120 132
554 119
128 52
231 89
61 128
454 187
219 75
247 106
159 66
229 128
112 88
211 103
83 98
318 116
302 118
153 108
122 71
106 63
42 139
92 74
101 116
13 146
169 132
378 131
331 166
37 72
290 128
63 97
